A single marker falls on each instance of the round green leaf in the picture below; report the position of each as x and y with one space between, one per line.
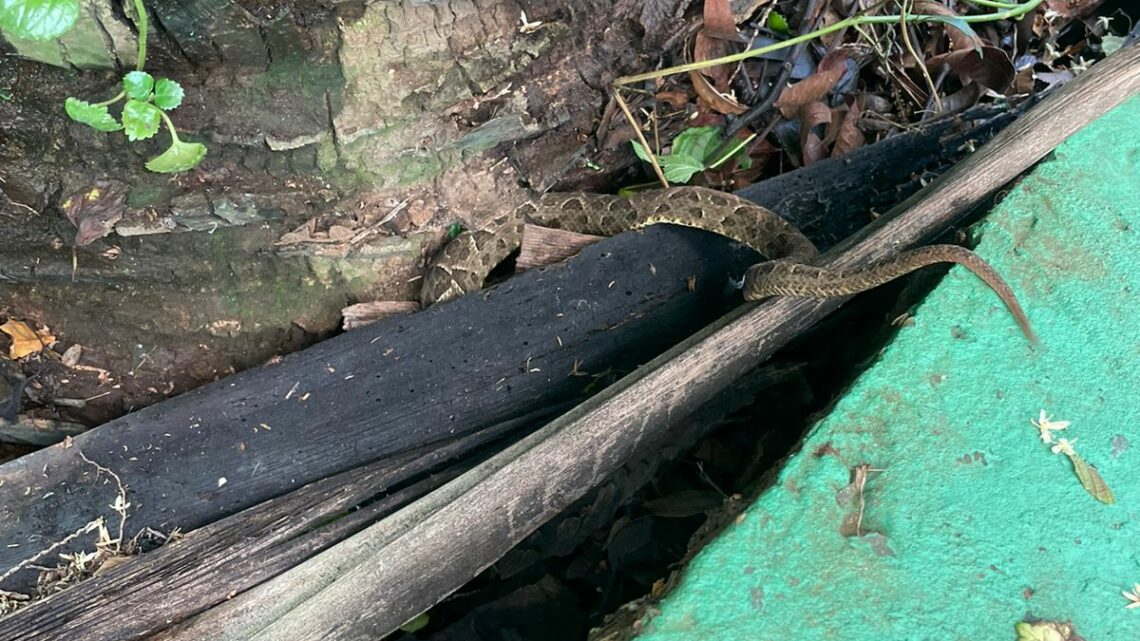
167 94
179 157
94 116
138 84
140 119
38 19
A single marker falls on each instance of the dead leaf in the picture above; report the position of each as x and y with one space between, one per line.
813 88
812 145
711 42
675 99
1091 480
848 138
989 66
719 22
959 40
962 99
94 210
25 340
715 100
72 355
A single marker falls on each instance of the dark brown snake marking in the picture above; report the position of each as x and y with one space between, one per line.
464 263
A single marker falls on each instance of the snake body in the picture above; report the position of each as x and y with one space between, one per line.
463 264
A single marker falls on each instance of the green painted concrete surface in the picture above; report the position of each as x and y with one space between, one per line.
971 522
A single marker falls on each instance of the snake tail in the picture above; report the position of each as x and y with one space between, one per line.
787 278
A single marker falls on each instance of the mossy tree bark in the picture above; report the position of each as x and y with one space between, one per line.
320 118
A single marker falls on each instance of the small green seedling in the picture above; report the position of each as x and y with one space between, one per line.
692 152
147 99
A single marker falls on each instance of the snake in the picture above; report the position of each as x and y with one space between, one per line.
790 270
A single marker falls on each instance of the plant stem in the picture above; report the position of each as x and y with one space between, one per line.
641 138
1015 12
112 101
140 10
732 151
170 127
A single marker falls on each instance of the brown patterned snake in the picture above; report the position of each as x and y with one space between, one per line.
464 263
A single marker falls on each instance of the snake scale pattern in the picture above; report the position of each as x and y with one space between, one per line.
463 263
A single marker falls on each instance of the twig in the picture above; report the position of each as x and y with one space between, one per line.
905 30
641 137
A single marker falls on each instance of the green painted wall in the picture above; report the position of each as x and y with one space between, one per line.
972 524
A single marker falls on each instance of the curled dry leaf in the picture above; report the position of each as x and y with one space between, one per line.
719 22
25 340
711 42
675 99
813 88
812 145
848 137
962 99
988 66
94 210
959 39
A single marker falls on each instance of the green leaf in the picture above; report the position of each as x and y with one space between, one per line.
181 156
167 94
690 154
138 84
1109 44
38 19
94 116
417 623
679 169
697 143
140 119
454 229
778 23
640 151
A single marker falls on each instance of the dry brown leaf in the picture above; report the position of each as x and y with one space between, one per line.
675 99
94 210
990 67
719 21
962 99
711 42
25 340
849 138
814 87
713 99
958 39
811 144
